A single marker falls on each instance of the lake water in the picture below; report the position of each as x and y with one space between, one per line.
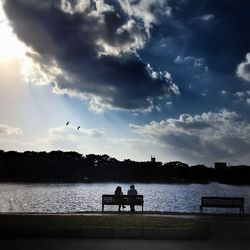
51 198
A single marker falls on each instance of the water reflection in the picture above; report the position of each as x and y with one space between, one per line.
87 197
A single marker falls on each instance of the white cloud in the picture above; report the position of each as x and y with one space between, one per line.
72 132
202 138
248 101
137 41
165 76
8 139
195 64
35 70
190 61
9 144
240 95
148 11
6 130
76 6
69 138
175 89
243 69
207 17
224 92
204 18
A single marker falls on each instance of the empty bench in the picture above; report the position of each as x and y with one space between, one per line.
223 202
110 199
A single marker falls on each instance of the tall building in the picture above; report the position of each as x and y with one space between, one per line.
153 158
219 165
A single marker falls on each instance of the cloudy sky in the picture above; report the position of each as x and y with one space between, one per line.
169 78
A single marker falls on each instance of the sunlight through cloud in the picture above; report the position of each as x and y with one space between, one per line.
11 47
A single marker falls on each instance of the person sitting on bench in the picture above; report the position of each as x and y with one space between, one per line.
118 192
132 192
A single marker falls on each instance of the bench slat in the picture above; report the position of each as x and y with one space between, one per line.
223 202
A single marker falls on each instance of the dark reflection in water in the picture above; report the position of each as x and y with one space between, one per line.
87 197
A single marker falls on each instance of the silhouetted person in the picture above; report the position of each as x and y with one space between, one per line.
132 192
118 192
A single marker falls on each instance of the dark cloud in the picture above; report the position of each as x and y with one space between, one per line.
216 30
94 47
103 49
224 39
201 45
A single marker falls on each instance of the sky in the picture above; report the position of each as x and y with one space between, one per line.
169 78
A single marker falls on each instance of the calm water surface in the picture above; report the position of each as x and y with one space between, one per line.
51 198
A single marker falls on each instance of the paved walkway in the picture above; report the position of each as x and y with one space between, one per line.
228 232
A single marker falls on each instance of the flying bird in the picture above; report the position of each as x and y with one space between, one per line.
78 127
67 123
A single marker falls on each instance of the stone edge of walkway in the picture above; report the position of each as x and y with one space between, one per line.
199 232
147 233
169 233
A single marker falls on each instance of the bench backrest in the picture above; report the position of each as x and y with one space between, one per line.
111 199
222 201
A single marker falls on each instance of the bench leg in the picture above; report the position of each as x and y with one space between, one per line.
201 209
102 208
242 210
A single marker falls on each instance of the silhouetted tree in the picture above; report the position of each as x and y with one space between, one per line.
59 166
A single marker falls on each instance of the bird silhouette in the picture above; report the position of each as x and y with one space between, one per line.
67 123
78 127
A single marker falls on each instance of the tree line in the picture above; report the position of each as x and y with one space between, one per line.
59 166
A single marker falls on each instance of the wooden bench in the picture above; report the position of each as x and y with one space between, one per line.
223 202
111 199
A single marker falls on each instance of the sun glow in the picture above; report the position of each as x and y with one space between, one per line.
10 46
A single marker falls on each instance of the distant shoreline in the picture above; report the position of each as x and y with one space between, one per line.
118 181
73 167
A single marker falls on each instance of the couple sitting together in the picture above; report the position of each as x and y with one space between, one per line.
132 191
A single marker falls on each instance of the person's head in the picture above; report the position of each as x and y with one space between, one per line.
132 186
118 189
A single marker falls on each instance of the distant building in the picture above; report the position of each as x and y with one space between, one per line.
220 165
153 158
